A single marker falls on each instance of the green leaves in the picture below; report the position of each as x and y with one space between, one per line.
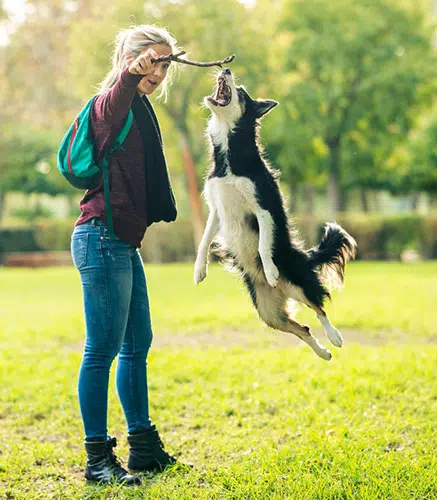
362 72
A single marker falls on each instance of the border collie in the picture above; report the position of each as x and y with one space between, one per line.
248 221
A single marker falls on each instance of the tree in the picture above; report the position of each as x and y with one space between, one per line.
355 68
35 105
416 162
27 157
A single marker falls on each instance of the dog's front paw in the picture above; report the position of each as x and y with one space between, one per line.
200 272
272 274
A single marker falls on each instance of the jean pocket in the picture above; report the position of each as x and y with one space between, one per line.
79 249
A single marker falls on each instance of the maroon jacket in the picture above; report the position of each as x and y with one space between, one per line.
126 166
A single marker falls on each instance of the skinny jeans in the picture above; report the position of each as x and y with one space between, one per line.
117 319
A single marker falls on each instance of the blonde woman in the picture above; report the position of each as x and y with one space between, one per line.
114 286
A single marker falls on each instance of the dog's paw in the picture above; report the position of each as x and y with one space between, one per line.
324 354
317 347
200 272
334 336
272 274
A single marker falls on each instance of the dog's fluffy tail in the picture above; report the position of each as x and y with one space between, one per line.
335 249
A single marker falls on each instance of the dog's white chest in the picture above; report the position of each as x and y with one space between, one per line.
232 197
233 200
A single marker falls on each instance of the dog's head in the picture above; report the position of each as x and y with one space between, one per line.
231 102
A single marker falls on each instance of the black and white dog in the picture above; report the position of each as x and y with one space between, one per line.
248 219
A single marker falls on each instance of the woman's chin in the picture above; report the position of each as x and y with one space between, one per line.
146 89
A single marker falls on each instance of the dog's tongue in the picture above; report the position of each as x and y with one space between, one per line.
215 100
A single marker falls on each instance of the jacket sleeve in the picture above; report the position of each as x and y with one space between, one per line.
113 105
110 110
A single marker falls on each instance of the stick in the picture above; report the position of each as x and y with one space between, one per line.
175 57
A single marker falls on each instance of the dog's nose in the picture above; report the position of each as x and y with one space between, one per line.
226 71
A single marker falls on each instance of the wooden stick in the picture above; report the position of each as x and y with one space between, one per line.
176 58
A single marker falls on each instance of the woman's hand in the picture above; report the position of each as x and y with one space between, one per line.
143 65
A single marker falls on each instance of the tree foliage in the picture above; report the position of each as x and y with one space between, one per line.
357 74
352 79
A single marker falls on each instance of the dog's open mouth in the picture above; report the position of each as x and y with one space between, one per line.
224 95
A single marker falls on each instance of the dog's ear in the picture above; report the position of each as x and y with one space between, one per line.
263 106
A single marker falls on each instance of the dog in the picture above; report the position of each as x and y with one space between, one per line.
249 225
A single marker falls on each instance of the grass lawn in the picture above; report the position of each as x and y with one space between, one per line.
259 415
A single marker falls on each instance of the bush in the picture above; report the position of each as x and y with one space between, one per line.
384 237
31 214
169 242
366 230
428 237
378 237
398 234
54 234
162 242
17 239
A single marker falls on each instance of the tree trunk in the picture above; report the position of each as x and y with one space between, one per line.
293 197
364 200
72 205
2 203
415 198
376 201
193 187
309 189
335 202
343 200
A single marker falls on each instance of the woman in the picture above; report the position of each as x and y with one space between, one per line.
114 287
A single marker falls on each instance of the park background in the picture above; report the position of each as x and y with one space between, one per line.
355 140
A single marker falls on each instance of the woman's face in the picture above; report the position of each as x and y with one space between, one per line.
152 81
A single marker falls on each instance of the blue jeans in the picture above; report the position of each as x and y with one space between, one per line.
117 318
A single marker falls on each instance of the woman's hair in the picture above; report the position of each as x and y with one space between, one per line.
131 42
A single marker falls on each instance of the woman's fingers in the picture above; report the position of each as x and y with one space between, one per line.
143 64
154 54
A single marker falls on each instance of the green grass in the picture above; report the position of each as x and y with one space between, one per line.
380 299
260 419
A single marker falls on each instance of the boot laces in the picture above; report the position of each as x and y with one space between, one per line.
117 462
161 445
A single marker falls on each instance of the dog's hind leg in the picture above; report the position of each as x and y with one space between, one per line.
271 304
331 332
304 333
315 290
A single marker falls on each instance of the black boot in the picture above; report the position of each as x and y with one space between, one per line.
102 464
147 452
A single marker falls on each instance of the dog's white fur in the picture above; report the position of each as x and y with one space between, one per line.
230 200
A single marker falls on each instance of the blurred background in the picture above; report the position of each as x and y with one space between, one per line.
354 137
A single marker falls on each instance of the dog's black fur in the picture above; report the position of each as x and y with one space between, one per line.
300 267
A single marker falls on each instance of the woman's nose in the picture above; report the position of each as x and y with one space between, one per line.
159 72
156 74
